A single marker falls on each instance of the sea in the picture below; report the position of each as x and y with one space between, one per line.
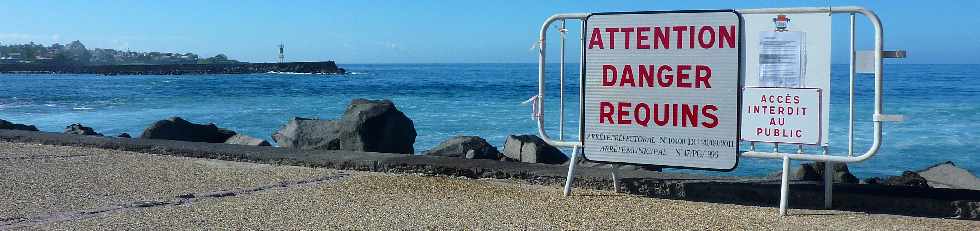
940 103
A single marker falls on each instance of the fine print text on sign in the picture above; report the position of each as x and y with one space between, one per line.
662 88
782 115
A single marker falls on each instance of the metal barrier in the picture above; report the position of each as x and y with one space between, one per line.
877 118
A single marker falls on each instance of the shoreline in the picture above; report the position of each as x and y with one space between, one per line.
327 67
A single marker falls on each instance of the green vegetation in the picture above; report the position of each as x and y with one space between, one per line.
75 53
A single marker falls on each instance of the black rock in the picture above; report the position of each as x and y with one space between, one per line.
874 180
79 129
532 149
176 128
308 134
948 175
247 140
376 126
908 178
12 126
367 125
470 147
814 171
124 135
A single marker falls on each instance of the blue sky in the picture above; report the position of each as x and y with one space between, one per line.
423 31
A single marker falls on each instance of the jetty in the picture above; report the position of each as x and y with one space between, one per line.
325 67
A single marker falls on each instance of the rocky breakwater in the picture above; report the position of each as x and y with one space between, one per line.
469 147
176 128
519 148
79 129
328 67
532 149
15 126
366 125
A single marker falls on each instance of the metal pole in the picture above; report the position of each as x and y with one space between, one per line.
828 182
784 187
615 180
561 84
571 171
581 83
850 113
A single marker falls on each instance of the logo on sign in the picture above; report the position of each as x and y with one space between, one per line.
781 22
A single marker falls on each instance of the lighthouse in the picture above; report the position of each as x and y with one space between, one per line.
282 56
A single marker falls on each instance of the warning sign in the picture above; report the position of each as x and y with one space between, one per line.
662 88
781 115
788 51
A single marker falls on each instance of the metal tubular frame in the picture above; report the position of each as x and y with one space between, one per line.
878 77
877 118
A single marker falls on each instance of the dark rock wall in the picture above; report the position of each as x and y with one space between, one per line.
328 67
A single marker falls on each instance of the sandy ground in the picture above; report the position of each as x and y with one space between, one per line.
71 188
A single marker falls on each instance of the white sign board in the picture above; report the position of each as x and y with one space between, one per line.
784 115
662 88
788 51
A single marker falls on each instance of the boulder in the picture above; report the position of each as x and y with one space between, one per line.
814 171
470 147
471 154
176 128
306 133
532 149
79 129
947 175
124 135
247 140
968 210
12 126
376 126
908 178
873 180
367 125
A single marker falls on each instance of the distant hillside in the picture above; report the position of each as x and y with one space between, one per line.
75 53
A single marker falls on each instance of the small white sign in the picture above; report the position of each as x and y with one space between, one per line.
781 115
789 51
662 88
781 59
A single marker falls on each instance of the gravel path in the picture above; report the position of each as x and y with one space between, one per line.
49 186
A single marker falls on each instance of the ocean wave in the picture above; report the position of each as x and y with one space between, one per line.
288 73
82 108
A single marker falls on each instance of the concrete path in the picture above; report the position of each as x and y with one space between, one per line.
58 187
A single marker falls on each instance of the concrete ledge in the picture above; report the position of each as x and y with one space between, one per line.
949 203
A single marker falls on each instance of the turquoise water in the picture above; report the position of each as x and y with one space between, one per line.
941 103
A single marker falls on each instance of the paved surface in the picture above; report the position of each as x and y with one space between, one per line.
55 187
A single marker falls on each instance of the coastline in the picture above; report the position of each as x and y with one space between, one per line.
327 67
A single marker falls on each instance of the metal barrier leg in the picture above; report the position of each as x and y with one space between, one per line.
828 185
615 180
571 171
784 187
